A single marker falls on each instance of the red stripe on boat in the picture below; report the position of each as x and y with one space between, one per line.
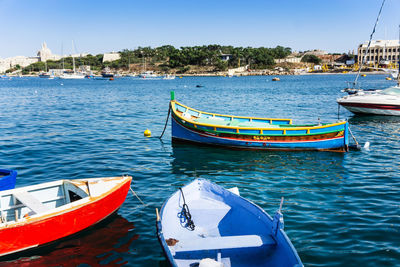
371 106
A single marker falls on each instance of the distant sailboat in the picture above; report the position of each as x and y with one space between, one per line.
147 74
45 73
74 74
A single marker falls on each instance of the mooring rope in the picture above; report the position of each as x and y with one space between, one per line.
166 122
133 192
185 213
354 138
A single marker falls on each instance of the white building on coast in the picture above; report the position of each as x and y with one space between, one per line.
380 50
43 55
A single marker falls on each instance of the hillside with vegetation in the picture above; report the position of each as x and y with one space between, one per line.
169 59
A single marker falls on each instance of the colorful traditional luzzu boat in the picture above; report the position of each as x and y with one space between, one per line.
191 125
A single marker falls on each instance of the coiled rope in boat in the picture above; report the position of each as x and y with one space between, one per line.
185 214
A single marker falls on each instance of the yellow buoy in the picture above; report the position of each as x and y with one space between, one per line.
147 133
363 75
388 78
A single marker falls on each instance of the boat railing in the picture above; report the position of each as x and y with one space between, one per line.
185 109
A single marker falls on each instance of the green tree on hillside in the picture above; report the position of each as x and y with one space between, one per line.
311 59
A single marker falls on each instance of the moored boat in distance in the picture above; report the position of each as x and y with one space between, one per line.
169 77
36 215
106 73
148 75
191 125
203 223
46 75
72 75
394 74
7 179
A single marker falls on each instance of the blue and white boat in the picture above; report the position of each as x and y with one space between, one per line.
7 179
203 223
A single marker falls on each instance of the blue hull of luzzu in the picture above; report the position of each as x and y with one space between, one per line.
228 229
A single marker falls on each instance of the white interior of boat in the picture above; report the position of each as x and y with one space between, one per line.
17 205
216 226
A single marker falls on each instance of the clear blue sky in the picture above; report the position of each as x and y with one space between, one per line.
101 26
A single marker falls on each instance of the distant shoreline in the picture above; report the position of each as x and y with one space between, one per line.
255 73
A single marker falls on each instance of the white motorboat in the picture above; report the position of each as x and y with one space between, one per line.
73 75
385 102
148 74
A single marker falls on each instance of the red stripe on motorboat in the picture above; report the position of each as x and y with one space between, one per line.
52 228
371 106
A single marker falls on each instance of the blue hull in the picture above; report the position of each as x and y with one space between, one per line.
179 132
227 228
7 179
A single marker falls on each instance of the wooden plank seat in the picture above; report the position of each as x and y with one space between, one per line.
223 242
30 202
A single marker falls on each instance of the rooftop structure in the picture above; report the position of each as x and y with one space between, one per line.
316 52
111 56
289 59
45 54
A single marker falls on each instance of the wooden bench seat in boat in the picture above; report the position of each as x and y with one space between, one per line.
223 242
31 202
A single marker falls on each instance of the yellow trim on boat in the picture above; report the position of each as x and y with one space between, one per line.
237 128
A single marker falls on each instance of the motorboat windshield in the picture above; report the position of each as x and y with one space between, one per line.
395 90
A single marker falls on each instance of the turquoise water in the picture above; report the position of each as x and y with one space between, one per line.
340 209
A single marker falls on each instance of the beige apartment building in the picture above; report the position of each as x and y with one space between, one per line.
380 52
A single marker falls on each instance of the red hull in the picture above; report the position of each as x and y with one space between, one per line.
59 225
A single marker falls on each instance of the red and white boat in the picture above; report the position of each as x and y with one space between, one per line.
385 102
36 215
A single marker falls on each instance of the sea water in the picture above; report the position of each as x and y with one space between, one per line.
340 209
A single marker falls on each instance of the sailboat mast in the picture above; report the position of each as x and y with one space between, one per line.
73 62
398 62
73 59
62 55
